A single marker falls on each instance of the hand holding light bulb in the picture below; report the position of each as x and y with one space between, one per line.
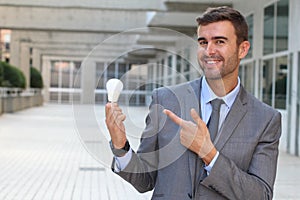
114 87
114 115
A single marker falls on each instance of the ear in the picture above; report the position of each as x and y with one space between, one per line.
243 49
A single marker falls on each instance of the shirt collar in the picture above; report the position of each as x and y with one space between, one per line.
208 95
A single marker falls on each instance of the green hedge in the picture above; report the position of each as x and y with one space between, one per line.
36 80
1 74
11 76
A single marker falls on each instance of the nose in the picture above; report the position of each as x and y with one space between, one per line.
210 48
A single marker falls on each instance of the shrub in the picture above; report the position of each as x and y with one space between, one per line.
12 76
36 80
1 74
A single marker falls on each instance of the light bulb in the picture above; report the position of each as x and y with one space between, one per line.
114 87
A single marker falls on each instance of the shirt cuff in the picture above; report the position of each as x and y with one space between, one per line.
122 162
211 164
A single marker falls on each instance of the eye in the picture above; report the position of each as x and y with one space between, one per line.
202 42
220 42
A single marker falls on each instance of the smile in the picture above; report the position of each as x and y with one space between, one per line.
212 62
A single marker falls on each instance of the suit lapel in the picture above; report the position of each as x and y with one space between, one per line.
233 118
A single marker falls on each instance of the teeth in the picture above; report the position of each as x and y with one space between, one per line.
211 62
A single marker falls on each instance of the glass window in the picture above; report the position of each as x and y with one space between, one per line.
54 74
111 71
162 68
282 25
100 73
267 76
186 61
157 69
276 27
178 63
249 77
178 68
249 20
77 75
281 82
65 79
122 70
169 65
269 29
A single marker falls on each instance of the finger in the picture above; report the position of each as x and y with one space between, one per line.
112 111
173 117
120 118
108 112
195 116
107 108
115 108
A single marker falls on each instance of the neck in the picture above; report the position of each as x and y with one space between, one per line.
221 87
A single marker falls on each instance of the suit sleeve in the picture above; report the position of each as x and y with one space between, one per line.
142 169
227 179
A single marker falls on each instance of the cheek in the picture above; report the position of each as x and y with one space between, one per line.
200 53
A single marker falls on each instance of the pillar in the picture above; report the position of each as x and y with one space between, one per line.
88 82
46 72
25 63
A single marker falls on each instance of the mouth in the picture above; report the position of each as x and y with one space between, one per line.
212 61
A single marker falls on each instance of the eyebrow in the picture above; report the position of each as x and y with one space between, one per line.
214 38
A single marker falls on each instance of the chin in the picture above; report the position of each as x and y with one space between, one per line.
213 75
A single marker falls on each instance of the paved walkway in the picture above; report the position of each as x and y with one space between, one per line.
42 157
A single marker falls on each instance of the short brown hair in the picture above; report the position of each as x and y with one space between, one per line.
225 13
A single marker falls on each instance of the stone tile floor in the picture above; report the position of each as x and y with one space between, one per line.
45 154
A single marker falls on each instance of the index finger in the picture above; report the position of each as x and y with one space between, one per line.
173 117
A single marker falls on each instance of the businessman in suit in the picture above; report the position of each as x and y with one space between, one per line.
193 149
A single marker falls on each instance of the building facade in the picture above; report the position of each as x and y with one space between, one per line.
148 45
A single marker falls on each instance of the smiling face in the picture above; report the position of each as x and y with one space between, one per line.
219 54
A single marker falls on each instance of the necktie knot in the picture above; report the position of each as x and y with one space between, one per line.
216 104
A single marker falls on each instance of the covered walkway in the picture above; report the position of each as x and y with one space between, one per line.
42 157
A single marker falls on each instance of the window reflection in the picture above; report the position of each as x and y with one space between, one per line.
269 30
267 81
282 25
281 82
276 34
249 77
249 20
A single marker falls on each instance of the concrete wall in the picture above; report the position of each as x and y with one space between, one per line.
10 104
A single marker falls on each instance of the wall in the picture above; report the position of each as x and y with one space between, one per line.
16 102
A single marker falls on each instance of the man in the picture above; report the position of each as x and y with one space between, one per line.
179 157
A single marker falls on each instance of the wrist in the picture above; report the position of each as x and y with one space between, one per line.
210 156
119 152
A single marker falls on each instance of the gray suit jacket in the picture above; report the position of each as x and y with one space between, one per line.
247 142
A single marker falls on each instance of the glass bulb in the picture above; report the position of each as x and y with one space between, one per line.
114 87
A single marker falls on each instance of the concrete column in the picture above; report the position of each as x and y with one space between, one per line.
88 82
46 72
165 69
174 63
36 59
294 46
71 84
292 143
14 49
25 63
